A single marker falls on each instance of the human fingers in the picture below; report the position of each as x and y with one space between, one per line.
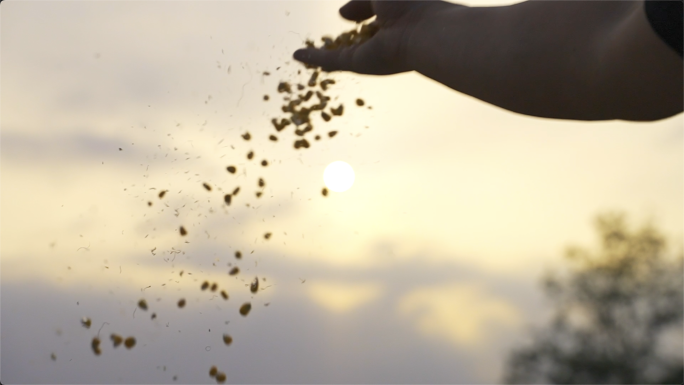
328 59
357 10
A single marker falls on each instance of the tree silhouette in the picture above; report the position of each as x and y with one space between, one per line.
610 314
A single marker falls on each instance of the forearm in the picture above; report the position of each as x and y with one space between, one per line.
549 59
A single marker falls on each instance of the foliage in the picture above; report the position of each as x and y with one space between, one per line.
610 312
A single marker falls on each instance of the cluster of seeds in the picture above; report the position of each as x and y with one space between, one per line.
300 106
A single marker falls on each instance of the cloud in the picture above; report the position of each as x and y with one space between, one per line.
342 297
462 313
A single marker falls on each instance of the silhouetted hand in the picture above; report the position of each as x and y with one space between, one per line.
387 51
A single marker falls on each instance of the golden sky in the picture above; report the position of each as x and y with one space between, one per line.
446 187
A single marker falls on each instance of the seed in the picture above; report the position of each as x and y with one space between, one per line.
266 73
149 203
312 80
284 87
273 138
324 192
227 339
254 286
325 116
85 321
337 111
258 194
261 182
236 190
183 232
162 193
317 137
332 133
214 286
153 316
264 163
360 102
245 308
267 235
250 155
53 357
265 97
227 198
231 169
325 83
224 294
142 304
205 285
246 136
207 186
129 343
234 271
212 371
95 344
238 255
181 303
220 378
116 339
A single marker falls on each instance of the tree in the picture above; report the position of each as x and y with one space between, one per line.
610 314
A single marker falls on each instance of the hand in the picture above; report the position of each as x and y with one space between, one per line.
387 51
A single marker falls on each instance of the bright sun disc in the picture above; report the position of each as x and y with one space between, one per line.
338 176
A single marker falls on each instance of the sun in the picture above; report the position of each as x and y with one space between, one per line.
338 176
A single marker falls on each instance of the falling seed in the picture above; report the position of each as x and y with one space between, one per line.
120 149
273 138
359 102
220 378
227 199
238 255
250 155
149 203
254 286
129 343
332 133
236 190
53 357
213 371
265 97
266 73
142 304
234 271
207 186
227 339
162 193
324 192
183 232
325 116
116 339
214 286
284 87
317 137
258 194
267 236
181 273
181 303
261 182
246 136
95 344
245 308
85 321
337 111
153 316
224 294
231 169
205 285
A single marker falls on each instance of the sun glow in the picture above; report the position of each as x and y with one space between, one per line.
338 176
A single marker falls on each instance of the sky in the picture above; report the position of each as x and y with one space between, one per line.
426 271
